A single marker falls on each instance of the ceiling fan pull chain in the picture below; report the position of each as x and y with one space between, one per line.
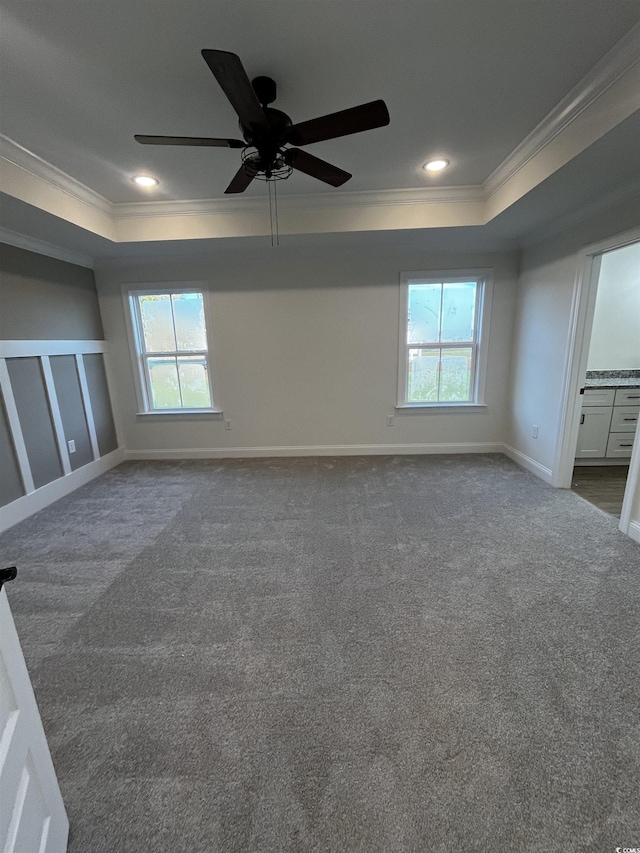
270 211
275 198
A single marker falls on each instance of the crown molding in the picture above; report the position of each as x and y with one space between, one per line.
322 201
622 57
15 153
41 247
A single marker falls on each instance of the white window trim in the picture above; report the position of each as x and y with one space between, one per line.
484 296
129 293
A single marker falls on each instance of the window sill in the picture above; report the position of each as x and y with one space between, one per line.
439 408
213 414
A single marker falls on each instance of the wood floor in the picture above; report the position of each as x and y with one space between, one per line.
602 486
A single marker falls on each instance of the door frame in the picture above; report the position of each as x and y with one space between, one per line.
580 326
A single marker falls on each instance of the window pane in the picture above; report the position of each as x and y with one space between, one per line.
458 310
157 324
422 383
188 313
165 390
424 313
194 382
455 375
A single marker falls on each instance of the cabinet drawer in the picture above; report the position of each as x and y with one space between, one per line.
619 445
625 418
599 396
627 397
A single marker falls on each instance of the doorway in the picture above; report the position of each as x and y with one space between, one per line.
598 456
611 391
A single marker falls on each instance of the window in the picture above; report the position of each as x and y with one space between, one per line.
170 334
443 324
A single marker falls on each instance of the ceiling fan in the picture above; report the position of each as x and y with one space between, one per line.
268 132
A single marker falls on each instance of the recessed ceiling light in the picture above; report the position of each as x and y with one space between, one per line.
145 181
436 165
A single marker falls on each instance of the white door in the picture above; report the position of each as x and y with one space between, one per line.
32 814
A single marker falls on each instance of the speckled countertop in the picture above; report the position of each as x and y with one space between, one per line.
612 379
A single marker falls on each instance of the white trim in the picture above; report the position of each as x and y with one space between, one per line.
27 505
439 408
214 414
15 428
634 531
20 156
632 489
575 368
41 247
56 417
307 201
317 450
28 349
530 464
88 408
622 57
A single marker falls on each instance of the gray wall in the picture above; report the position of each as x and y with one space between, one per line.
11 486
100 403
28 388
74 422
45 299
42 298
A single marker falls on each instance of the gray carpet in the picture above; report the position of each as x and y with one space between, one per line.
386 654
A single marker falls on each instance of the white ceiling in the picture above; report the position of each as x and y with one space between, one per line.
469 79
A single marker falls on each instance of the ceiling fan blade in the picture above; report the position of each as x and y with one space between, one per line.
239 182
190 140
343 123
230 74
317 168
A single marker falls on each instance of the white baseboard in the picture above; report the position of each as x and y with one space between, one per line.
27 505
316 450
530 464
634 530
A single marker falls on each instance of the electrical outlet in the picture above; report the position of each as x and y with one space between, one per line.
72 446
534 431
227 424
390 420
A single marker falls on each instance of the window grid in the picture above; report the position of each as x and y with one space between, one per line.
145 355
472 344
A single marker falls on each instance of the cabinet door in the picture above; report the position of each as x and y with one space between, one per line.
594 432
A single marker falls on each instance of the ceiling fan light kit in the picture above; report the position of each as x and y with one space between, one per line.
270 144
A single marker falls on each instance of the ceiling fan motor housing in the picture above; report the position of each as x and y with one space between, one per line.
265 89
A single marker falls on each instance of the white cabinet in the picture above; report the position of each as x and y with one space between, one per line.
593 434
608 423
